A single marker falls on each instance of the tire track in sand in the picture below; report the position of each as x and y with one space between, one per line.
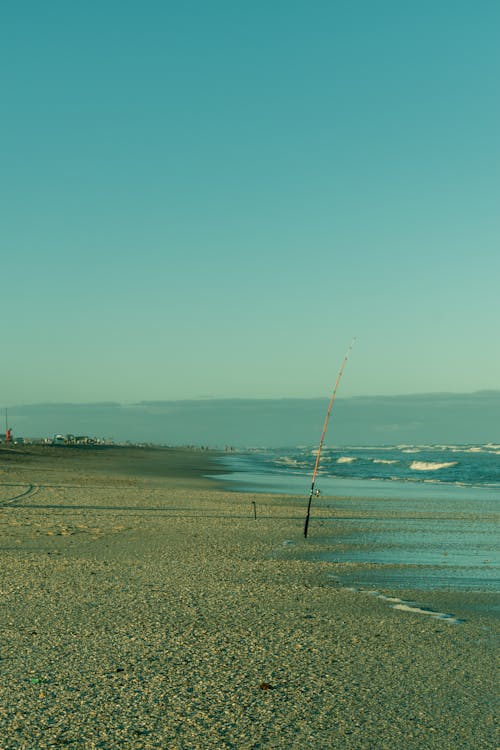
31 489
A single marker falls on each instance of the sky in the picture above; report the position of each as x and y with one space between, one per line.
210 200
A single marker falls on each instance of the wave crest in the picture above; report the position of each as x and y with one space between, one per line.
431 465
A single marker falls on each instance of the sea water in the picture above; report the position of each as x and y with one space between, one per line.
473 466
412 517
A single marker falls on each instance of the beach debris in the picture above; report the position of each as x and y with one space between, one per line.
265 686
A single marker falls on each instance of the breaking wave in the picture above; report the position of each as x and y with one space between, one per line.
439 464
431 465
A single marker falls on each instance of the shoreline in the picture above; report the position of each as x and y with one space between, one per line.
181 465
147 608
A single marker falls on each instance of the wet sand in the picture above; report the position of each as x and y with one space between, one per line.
143 606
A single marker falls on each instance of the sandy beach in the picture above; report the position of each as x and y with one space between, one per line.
143 606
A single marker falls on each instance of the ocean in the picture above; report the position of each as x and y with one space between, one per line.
407 516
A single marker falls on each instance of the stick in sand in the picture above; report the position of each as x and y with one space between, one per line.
318 455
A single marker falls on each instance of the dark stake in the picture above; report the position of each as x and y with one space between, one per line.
254 509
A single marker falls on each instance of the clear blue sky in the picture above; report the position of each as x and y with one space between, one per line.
211 199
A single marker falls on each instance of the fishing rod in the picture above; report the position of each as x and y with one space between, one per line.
318 455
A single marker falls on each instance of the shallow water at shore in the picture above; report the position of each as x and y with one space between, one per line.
398 535
409 554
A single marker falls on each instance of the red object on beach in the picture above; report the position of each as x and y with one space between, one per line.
8 435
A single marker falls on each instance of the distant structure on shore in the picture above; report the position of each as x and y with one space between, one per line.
83 440
57 440
77 440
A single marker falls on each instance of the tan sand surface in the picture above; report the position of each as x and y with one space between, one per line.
143 606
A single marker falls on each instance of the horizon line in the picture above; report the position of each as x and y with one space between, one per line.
205 399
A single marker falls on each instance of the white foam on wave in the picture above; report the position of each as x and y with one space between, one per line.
346 459
431 465
385 461
286 461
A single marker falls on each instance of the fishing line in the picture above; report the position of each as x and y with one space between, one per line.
318 455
